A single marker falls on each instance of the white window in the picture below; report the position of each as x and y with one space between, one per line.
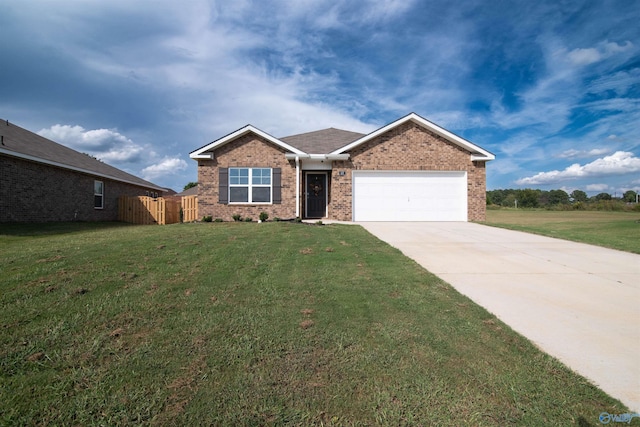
249 185
98 194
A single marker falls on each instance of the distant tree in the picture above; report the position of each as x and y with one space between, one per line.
510 200
528 198
579 196
495 197
602 196
558 197
190 185
629 196
544 198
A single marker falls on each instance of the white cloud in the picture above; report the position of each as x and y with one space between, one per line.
573 153
619 163
597 187
105 144
594 54
167 166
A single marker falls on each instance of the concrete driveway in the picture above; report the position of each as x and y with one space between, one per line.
577 302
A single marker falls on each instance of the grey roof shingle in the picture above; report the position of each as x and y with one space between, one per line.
322 141
26 144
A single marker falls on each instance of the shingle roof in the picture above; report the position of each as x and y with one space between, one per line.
25 144
192 191
322 141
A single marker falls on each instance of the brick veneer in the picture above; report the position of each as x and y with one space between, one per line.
247 151
35 192
407 147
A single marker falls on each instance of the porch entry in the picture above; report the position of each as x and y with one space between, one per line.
315 190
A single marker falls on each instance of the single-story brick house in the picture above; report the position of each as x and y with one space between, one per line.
43 181
408 170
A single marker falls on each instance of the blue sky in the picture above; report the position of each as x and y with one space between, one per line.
552 88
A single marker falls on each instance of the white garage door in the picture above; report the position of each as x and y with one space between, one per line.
409 196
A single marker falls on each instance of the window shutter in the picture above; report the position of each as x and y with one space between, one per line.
277 186
223 186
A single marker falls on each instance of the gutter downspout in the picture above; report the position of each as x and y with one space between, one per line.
297 186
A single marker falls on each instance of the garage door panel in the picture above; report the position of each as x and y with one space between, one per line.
409 196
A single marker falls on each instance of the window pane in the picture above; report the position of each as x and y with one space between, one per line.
238 194
261 176
261 195
97 187
97 201
238 176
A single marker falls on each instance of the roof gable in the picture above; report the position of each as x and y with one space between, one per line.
22 143
206 152
477 153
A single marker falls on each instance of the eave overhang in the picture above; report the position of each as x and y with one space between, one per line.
293 156
80 170
477 153
206 152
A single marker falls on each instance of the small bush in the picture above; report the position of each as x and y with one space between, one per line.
319 222
207 218
298 219
248 219
218 220
263 216
276 219
236 217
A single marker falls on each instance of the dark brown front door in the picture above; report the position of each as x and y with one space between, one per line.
316 190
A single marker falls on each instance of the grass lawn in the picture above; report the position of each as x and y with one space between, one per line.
617 230
257 324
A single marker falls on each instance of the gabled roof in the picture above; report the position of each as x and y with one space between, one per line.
206 152
477 153
24 144
322 141
191 191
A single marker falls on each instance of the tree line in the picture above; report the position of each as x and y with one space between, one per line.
578 199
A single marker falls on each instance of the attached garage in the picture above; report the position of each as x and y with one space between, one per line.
409 195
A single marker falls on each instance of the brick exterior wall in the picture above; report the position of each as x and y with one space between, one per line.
407 147
35 192
249 151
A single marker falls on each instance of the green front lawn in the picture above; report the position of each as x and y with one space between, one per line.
257 324
616 230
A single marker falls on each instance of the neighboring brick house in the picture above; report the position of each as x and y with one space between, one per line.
408 170
43 181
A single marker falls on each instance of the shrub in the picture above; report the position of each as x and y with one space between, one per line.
218 220
236 217
319 222
263 216
248 219
298 219
276 219
207 218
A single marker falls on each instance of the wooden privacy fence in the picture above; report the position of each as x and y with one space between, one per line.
149 210
189 208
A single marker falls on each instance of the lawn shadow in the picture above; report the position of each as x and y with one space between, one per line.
54 228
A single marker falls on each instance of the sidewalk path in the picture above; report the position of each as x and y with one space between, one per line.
579 303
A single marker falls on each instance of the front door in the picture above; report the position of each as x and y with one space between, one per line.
316 191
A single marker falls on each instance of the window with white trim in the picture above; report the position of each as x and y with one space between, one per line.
98 194
250 185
